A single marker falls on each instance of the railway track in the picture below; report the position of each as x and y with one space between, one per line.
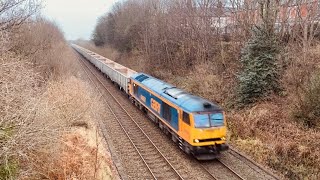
253 165
156 163
159 165
144 145
256 168
225 172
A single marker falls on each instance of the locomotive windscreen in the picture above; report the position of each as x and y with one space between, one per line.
208 120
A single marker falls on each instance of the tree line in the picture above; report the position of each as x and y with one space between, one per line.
181 33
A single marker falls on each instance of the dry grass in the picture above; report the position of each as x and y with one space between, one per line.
74 155
265 132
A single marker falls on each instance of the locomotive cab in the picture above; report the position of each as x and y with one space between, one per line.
208 137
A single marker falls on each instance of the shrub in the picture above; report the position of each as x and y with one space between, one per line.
308 111
19 130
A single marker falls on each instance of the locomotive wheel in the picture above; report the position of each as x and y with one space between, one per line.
174 139
187 150
160 125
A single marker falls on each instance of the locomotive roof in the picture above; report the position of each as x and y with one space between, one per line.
186 101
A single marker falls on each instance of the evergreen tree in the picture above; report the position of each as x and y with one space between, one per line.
259 76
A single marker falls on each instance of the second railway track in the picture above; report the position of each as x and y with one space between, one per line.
158 161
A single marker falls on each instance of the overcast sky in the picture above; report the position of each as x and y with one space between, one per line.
76 18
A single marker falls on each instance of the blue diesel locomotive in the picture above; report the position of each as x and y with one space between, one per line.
195 124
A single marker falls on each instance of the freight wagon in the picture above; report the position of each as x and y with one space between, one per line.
115 72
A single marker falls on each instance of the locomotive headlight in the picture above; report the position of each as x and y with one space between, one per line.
223 138
196 140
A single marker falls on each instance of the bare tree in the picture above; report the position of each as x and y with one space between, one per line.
15 12
306 23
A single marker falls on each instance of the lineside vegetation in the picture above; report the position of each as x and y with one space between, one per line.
41 102
249 54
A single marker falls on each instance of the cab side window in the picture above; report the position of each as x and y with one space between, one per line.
186 118
166 112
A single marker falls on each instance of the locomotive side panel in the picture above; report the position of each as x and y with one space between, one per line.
165 112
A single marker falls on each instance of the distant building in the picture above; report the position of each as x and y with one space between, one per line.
225 18
288 13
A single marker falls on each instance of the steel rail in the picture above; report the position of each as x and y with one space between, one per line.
224 165
252 162
234 172
177 173
208 172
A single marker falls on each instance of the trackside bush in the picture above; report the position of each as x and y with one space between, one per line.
308 111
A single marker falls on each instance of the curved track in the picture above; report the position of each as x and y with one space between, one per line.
157 165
